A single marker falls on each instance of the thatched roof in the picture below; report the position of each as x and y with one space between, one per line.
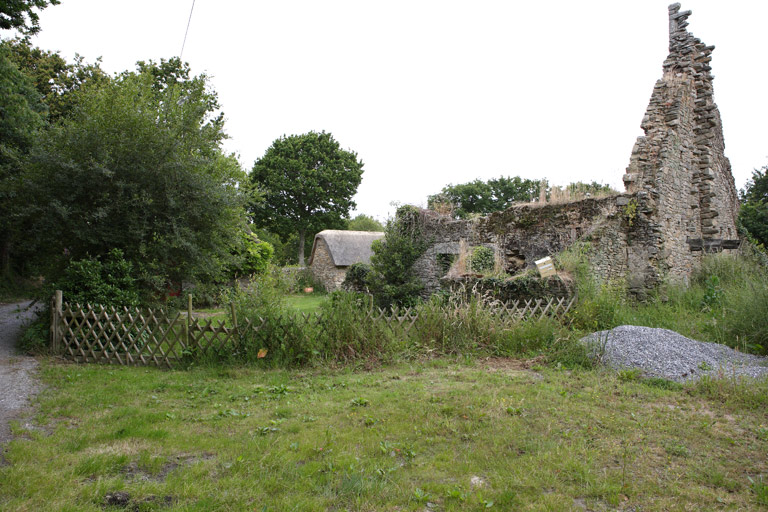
347 247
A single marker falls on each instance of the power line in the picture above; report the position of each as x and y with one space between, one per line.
187 31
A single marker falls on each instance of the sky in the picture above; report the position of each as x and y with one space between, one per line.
430 93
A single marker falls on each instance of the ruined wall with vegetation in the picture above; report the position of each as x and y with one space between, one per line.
680 162
521 234
680 195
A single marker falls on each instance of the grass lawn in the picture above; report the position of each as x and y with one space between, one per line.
437 435
305 302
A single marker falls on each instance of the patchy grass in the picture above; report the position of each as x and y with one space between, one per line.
446 434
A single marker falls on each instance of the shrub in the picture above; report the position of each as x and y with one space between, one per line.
392 280
263 303
204 295
34 339
357 278
482 259
108 281
304 278
753 215
257 255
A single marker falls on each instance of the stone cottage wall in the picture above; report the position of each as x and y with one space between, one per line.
323 268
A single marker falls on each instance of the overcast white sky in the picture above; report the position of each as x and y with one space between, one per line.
436 92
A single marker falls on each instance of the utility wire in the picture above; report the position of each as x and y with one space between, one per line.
187 31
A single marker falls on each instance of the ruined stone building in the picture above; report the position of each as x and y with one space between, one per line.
680 198
333 251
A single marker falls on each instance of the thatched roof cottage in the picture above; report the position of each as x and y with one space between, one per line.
333 251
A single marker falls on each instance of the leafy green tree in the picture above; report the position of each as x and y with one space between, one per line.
511 189
481 198
307 182
57 81
21 117
753 215
21 15
141 169
363 222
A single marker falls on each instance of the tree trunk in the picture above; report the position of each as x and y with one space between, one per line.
301 247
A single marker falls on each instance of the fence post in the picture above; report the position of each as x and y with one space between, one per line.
56 314
234 323
189 318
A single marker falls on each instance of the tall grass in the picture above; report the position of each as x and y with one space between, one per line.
463 323
349 328
726 302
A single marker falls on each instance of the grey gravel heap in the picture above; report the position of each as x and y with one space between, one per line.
669 355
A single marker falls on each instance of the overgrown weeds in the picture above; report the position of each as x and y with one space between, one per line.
726 302
350 327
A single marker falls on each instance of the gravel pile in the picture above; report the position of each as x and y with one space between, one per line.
669 355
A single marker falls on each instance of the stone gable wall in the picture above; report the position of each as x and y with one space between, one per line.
324 270
680 161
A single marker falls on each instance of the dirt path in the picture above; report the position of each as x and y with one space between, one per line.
17 372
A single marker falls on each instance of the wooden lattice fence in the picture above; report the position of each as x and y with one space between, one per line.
156 337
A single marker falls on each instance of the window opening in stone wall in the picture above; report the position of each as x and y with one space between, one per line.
445 261
515 261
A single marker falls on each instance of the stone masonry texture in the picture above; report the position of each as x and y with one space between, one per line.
324 268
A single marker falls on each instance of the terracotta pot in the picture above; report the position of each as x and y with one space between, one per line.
308 289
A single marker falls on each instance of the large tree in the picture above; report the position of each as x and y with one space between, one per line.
57 80
481 198
754 206
21 15
21 117
363 222
307 182
139 167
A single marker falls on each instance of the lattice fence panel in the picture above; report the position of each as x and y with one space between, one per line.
122 336
155 337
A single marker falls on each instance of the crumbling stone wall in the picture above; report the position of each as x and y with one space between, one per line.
680 161
680 194
524 233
